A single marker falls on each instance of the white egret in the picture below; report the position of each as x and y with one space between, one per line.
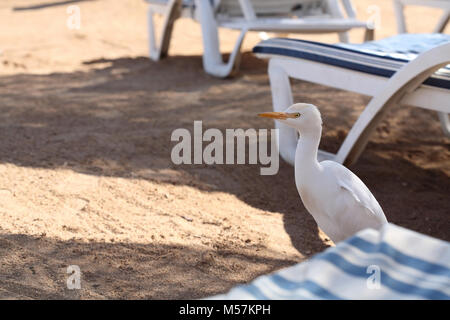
338 200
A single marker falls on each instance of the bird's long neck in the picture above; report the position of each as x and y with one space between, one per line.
306 153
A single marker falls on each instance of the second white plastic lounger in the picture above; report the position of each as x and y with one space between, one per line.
280 16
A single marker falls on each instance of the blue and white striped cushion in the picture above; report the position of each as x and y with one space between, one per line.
411 266
381 57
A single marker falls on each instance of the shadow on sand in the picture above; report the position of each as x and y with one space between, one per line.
36 268
123 111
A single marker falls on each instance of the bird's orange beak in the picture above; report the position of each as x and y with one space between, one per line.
277 115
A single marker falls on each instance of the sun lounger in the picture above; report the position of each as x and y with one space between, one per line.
407 69
280 16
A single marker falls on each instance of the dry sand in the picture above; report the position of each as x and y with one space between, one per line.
85 171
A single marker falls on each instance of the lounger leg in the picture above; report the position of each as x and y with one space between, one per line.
445 123
443 117
401 23
173 12
399 16
212 58
282 99
343 37
443 21
335 11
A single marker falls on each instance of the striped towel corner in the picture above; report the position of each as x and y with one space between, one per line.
394 263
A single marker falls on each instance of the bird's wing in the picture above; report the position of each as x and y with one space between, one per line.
355 193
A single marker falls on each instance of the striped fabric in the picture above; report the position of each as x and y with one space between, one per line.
381 57
394 263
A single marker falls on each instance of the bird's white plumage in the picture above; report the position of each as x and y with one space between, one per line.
339 201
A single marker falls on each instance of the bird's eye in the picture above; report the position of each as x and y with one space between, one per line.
297 115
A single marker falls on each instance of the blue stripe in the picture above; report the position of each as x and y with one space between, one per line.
399 257
254 291
308 285
385 279
290 286
327 60
340 48
352 65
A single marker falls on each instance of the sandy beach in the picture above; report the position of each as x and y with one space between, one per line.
86 176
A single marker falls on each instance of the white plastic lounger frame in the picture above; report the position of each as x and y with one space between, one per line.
442 4
204 11
440 26
404 88
173 11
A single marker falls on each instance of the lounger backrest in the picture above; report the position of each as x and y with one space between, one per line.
274 7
